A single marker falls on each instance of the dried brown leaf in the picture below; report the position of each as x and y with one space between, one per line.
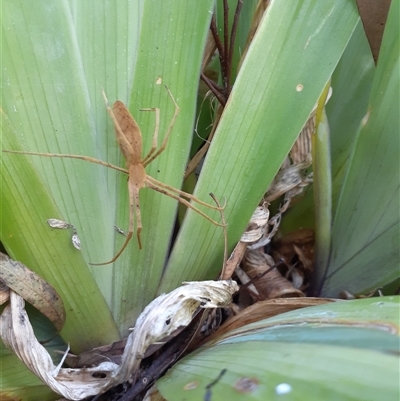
233 261
111 352
301 150
33 289
4 293
271 284
303 239
161 318
286 179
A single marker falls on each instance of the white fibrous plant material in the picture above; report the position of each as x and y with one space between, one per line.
76 242
162 317
63 225
257 225
56 223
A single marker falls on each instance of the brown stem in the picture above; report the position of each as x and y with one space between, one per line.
214 89
232 45
226 44
220 47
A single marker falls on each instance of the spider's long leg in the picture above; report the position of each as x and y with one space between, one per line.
164 191
67 156
147 160
166 187
155 136
133 205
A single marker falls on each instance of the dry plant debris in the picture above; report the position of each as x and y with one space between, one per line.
161 318
63 225
16 277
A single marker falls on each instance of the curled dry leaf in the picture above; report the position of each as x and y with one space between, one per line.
271 284
170 312
267 230
4 293
257 225
286 179
33 289
298 243
161 318
301 150
304 259
254 232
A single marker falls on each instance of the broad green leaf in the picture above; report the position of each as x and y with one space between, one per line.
49 252
55 65
351 84
293 46
365 234
170 50
346 350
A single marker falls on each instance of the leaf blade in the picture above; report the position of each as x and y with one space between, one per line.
365 225
260 99
306 350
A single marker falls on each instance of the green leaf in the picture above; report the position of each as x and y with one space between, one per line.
50 254
351 84
365 234
171 44
293 46
347 350
55 65
322 180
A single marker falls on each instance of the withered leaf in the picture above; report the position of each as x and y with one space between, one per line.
4 293
161 318
33 289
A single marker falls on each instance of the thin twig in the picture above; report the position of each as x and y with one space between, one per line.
214 89
232 45
225 233
220 47
226 43
234 259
